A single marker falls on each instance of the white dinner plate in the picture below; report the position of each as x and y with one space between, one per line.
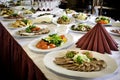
82 21
113 28
83 32
92 19
50 57
9 25
15 33
32 44
56 18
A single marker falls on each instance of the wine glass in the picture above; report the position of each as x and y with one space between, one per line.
26 4
34 5
4 2
42 5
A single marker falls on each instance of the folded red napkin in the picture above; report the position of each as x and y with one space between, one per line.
97 39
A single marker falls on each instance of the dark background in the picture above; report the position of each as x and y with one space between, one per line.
81 5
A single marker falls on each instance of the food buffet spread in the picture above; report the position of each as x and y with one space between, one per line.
66 44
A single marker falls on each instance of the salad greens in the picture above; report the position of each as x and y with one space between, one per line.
80 58
25 21
81 27
71 54
65 18
28 29
54 39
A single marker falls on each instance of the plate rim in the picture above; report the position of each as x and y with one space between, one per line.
31 46
109 28
15 31
78 73
82 32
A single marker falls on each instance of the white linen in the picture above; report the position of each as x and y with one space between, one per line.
38 58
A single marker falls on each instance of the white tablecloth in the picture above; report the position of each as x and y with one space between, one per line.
38 58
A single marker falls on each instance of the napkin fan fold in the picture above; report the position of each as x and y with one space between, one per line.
97 39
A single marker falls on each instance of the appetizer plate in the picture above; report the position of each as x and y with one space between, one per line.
9 25
19 24
72 20
50 57
93 18
32 44
81 17
113 28
16 34
75 31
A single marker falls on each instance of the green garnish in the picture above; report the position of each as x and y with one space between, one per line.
79 60
71 54
15 14
25 21
54 39
64 17
28 29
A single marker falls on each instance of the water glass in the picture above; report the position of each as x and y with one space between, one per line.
35 4
48 5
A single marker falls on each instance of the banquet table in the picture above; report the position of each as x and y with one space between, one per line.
25 64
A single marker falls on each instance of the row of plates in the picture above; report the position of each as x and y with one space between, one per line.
65 28
91 19
56 52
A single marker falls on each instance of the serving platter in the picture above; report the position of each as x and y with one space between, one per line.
50 57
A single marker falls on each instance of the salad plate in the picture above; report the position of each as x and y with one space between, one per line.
81 17
32 44
19 23
104 20
80 27
24 32
109 69
63 20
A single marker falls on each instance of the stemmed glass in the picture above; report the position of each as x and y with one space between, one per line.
4 2
42 5
26 4
48 5
34 5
